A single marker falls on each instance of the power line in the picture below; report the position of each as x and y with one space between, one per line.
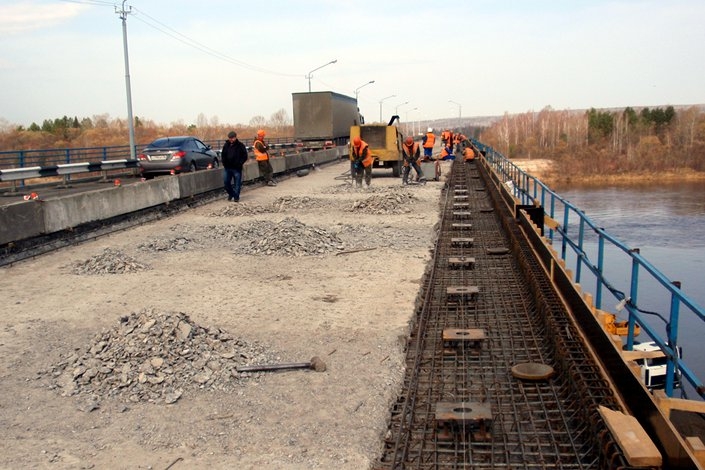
174 34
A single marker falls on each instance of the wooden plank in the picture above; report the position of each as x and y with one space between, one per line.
638 448
697 447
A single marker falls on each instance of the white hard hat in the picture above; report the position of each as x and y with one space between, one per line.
430 129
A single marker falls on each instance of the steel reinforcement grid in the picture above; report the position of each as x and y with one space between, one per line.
496 375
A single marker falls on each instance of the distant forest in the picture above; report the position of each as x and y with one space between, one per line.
605 142
102 131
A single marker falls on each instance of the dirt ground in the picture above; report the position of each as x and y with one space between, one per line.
122 352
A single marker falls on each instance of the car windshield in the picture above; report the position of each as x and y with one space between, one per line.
167 142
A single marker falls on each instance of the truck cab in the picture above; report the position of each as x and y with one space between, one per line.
384 143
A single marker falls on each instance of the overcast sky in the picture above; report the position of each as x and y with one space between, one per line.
234 59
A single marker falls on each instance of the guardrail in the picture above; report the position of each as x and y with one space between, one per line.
591 250
31 164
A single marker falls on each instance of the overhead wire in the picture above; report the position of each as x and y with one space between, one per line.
154 23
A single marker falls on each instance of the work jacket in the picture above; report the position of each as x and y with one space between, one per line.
411 154
260 151
362 154
430 140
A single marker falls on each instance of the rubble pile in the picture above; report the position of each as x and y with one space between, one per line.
110 261
396 202
288 237
155 357
242 209
292 202
178 243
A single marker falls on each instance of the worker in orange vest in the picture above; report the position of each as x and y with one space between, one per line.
428 141
261 151
411 152
361 162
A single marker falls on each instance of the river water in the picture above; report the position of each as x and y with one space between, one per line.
667 223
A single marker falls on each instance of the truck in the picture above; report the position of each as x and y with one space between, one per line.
384 143
323 118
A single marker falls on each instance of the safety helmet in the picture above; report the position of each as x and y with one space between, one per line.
430 129
357 141
260 133
409 140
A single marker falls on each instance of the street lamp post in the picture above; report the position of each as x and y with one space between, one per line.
362 86
460 108
396 108
380 105
309 76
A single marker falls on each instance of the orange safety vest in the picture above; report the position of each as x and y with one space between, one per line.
469 154
410 151
430 140
259 156
369 159
444 152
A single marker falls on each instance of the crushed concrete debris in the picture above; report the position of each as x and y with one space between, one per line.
155 357
389 203
110 261
288 237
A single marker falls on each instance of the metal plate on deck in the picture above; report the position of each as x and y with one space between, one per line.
463 334
486 209
461 205
461 292
461 197
532 371
462 226
462 241
462 214
497 251
460 190
464 412
461 262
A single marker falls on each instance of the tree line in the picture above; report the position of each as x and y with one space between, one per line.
104 131
605 141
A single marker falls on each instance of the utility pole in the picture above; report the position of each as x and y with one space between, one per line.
123 16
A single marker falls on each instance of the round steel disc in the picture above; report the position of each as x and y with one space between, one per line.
532 371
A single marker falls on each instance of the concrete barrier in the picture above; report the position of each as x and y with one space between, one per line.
27 219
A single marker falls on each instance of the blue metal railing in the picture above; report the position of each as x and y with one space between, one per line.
586 246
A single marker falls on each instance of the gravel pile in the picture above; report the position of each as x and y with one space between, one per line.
242 209
288 237
395 202
298 202
155 357
110 261
178 243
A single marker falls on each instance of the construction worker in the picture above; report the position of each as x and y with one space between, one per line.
411 152
468 154
261 151
428 141
447 152
445 137
361 162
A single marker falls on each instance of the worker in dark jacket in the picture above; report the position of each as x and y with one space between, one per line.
234 156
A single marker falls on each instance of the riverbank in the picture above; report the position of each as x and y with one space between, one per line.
543 169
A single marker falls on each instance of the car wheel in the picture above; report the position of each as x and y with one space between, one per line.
193 167
216 163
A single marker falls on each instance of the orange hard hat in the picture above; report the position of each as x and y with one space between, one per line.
357 141
260 133
409 140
